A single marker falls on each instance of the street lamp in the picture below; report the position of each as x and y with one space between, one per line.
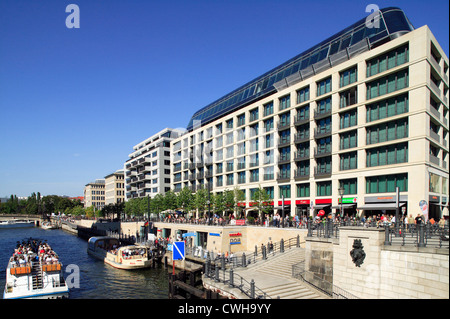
341 191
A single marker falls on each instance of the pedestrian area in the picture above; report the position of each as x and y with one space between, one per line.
274 277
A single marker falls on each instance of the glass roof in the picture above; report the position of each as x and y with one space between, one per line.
393 23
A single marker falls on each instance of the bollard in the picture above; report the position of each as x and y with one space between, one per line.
252 289
244 260
231 283
309 228
217 274
264 253
222 262
256 250
282 245
298 240
386 236
421 234
207 267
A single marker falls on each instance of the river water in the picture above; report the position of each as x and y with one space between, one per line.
97 280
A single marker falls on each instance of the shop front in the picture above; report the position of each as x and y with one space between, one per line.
302 207
348 207
378 205
322 207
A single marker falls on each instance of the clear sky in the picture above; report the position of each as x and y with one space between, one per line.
73 102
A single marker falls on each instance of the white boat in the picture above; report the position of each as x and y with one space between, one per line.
128 257
31 274
16 223
48 225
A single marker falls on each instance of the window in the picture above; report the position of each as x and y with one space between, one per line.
229 124
254 130
219 180
254 145
348 97
348 76
254 175
302 169
348 161
269 157
268 109
303 95
230 165
254 160
350 186
269 191
323 165
348 119
302 113
241 120
254 114
387 60
387 131
285 102
241 177
269 141
386 108
285 191
386 183
388 84
240 149
230 179
303 190
324 86
324 188
268 173
324 106
387 155
268 125
348 140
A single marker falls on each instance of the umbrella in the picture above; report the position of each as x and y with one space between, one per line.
321 213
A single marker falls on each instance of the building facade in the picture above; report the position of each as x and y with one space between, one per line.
147 171
94 194
365 111
115 188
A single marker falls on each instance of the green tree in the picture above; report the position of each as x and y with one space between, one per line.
201 198
218 200
260 199
185 200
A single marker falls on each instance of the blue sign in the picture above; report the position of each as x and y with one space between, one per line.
178 250
214 234
189 235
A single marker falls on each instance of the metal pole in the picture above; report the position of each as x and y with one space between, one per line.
397 198
282 210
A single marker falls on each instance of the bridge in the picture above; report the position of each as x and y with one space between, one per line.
38 219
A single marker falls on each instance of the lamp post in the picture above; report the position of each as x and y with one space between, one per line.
341 191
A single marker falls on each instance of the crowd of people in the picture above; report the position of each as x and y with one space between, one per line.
32 250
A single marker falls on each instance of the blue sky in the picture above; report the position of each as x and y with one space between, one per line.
73 102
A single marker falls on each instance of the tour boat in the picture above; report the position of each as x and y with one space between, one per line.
16 223
35 275
128 257
48 225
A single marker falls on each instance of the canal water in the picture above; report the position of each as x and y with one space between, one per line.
97 280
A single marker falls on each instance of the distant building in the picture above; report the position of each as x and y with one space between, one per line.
147 172
94 194
115 188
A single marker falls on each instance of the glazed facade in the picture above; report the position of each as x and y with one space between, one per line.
368 122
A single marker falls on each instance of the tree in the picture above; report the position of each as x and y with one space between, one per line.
260 200
239 196
201 198
170 200
218 200
185 200
229 201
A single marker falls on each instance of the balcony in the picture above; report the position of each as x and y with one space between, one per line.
301 137
322 151
177 179
284 159
200 175
321 172
282 142
301 156
300 120
320 114
319 133
435 136
434 159
301 175
283 125
284 176
208 174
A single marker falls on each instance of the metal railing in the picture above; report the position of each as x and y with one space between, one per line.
228 277
421 235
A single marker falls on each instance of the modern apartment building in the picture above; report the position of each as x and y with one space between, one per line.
147 171
94 194
364 111
115 188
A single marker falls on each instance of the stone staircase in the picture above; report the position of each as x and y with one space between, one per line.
274 276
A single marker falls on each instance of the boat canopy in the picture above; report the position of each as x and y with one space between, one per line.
104 242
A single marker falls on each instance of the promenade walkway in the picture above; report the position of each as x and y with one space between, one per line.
273 277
